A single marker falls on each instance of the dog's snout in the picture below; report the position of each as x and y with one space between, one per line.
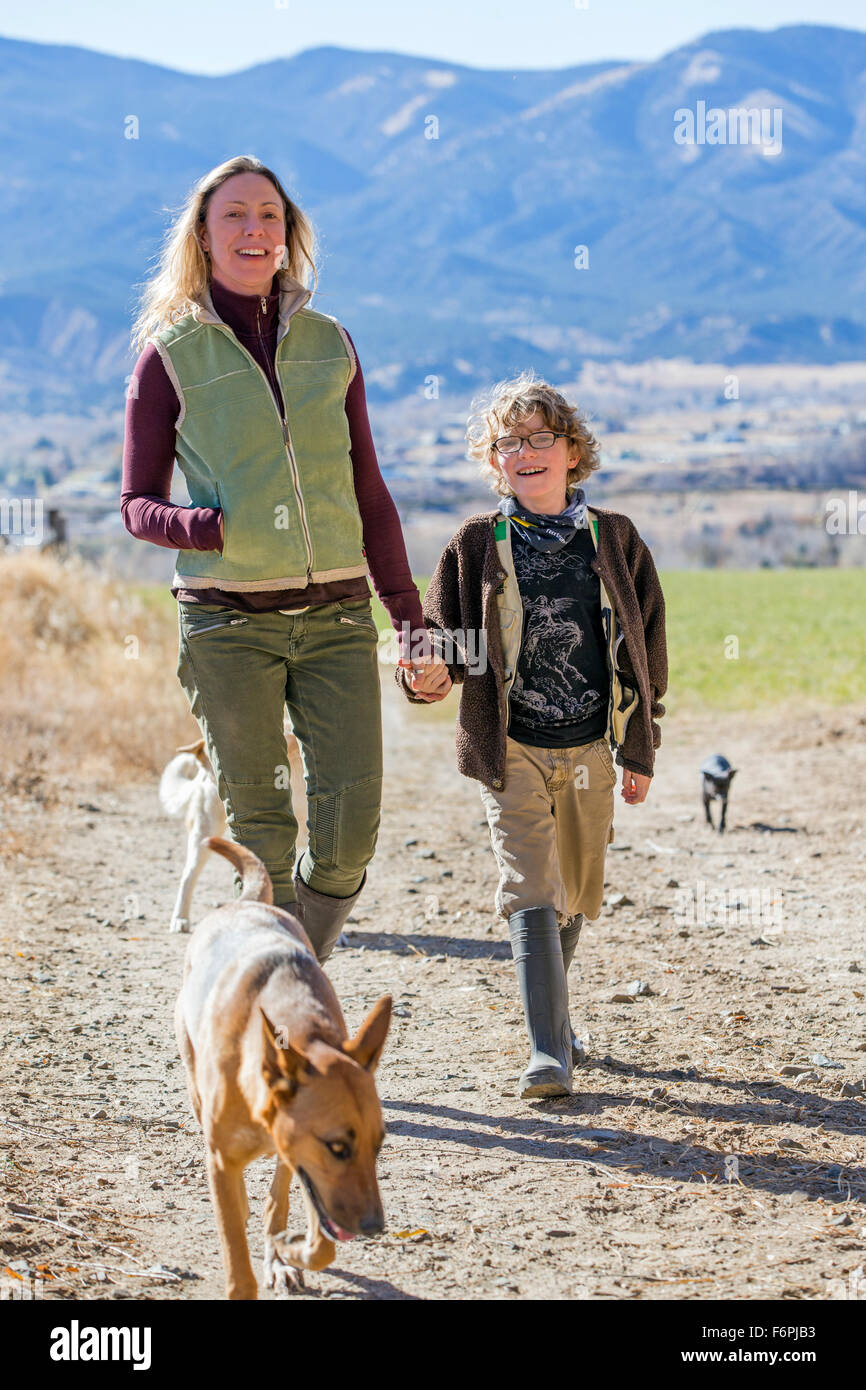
372 1224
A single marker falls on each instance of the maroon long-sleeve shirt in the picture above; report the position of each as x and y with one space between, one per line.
152 409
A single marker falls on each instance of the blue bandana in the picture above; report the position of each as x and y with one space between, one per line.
547 532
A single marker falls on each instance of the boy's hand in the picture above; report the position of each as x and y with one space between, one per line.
429 679
634 786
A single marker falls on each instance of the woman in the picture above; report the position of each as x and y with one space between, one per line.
261 400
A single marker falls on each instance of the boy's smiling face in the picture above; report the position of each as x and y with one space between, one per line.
536 476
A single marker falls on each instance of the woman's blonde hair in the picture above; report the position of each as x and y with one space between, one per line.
507 404
184 266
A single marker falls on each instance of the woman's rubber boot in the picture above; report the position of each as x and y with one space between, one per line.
322 916
537 951
568 936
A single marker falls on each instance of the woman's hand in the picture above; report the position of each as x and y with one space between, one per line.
429 679
634 786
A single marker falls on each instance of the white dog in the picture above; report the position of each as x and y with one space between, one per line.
187 788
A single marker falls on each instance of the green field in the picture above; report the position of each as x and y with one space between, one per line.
801 634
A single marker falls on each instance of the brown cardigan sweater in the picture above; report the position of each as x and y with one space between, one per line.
462 594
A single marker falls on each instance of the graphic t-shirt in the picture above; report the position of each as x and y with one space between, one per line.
561 687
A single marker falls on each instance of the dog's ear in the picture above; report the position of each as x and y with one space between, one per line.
366 1046
283 1067
192 747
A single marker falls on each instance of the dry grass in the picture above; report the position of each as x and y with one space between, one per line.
88 690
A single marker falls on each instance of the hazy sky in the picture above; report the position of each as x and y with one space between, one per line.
218 36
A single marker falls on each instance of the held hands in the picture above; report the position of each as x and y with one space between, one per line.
634 786
428 678
426 674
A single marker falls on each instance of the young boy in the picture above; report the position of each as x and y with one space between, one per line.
551 616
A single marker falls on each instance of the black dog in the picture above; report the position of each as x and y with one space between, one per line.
717 775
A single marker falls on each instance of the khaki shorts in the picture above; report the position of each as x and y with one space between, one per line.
550 827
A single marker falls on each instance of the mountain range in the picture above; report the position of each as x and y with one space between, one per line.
552 217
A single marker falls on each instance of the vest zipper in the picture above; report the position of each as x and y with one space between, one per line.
293 467
301 508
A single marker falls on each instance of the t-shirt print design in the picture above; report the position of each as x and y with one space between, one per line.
557 677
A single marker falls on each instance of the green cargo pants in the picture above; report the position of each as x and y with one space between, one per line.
239 671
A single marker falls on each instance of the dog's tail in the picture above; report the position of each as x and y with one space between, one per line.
256 881
176 783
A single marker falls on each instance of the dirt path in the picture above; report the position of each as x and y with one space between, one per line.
686 1166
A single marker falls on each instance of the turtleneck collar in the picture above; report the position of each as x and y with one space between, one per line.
244 313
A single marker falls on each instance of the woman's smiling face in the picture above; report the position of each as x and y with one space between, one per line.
537 477
245 233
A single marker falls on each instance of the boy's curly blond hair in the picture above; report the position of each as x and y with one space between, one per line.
509 403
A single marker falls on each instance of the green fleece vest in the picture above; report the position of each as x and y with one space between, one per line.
285 487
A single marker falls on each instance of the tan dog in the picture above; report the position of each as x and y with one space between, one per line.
270 1069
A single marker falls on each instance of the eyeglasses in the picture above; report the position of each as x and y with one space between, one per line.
541 439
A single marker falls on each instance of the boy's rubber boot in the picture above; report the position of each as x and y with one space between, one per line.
569 936
537 951
322 916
